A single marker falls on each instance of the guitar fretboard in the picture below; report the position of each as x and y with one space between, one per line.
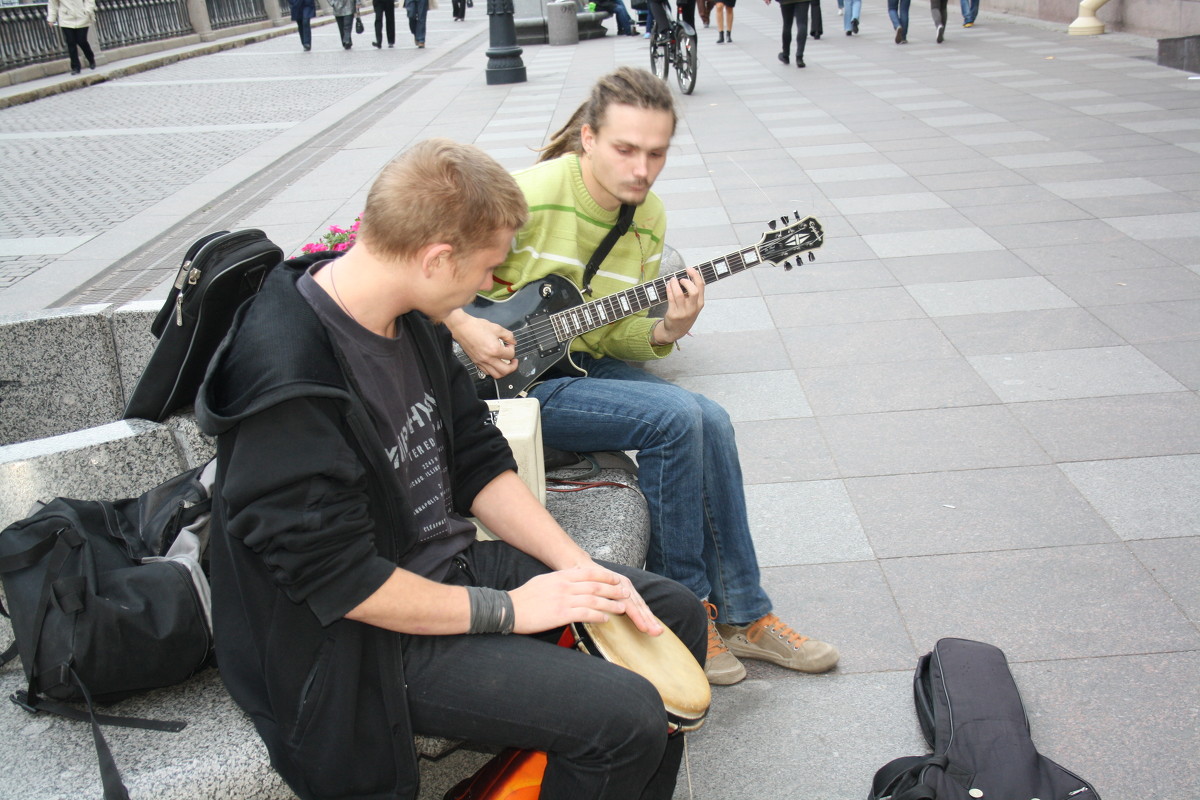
597 313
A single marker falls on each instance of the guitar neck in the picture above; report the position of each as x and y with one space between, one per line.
597 313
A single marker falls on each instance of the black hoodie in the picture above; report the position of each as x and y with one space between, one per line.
309 521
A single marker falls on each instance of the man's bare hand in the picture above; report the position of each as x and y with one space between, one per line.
685 300
579 594
490 346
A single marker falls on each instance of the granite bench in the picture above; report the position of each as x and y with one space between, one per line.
529 19
64 379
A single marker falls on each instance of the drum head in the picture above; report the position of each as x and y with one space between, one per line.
663 660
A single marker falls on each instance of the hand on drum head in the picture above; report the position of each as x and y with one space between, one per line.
579 594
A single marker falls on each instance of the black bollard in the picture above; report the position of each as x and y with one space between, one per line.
504 57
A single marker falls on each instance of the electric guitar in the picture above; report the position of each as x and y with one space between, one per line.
546 314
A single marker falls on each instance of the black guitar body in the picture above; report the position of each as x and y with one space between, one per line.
527 314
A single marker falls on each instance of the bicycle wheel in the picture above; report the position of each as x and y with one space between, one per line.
685 63
660 55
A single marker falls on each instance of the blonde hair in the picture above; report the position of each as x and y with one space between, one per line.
628 86
440 191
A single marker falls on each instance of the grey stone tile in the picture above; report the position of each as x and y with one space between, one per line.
1077 601
973 180
931 242
892 222
973 511
1143 498
1114 427
823 276
1174 320
1119 287
752 395
913 201
839 307
1027 193
1024 213
948 267
903 386
1167 203
1026 331
846 604
929 441
1114 187
1091 257
733 315
811 522
1179 358
1074 720
718 353
1164 226
777 450
1046 234
988 296
1060 374
839 730
865 343
1175 564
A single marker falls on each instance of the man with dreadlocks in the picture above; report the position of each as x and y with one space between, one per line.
605 158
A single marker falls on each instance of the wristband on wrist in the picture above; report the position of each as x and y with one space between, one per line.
491 610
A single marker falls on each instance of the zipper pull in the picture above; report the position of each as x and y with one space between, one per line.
179 310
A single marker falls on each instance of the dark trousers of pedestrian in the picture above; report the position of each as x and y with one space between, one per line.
76 39
687 10
459 8
304 28
795 13
604 727
817 27
938 9
346 30
705 8
385 11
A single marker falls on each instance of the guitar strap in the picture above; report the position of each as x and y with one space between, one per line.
624 219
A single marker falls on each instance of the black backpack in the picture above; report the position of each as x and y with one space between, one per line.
108 599
972 716
219 272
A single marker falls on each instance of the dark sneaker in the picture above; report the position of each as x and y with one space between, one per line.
800 63
854 25
941 37
899 35
721 667
769 639
783 58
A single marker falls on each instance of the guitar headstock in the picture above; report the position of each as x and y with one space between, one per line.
781 243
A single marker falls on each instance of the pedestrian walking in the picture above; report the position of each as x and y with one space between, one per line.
302 13
417 11
970 10
938 9
725 20
385 16
705 8
816 28
898 12
74 17
343 12
850 12
794 12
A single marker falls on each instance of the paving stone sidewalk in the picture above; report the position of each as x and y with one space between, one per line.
975 414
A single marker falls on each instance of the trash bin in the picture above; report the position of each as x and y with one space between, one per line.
562 26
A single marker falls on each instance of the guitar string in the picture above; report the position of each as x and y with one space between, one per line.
534 337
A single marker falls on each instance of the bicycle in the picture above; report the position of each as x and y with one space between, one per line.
674 43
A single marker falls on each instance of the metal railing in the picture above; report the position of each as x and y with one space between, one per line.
227 13
126 22
25 38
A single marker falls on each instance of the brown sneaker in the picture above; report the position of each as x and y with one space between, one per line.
721 667
770 639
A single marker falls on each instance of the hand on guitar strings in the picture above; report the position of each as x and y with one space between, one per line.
685 300
490 346
589 593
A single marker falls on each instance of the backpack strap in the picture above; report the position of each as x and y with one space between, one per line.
624 220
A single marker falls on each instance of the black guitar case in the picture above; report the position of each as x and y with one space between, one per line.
972 716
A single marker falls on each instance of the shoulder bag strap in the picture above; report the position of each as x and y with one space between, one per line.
624 219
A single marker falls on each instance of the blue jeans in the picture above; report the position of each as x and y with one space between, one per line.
850 11
970 10
898 11
687 467
624 23
417 11
604 727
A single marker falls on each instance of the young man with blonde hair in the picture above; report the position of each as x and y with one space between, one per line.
608 155
352 605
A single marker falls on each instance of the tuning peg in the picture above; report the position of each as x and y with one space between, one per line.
787 265
771 224
796 214
812 257
784 219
